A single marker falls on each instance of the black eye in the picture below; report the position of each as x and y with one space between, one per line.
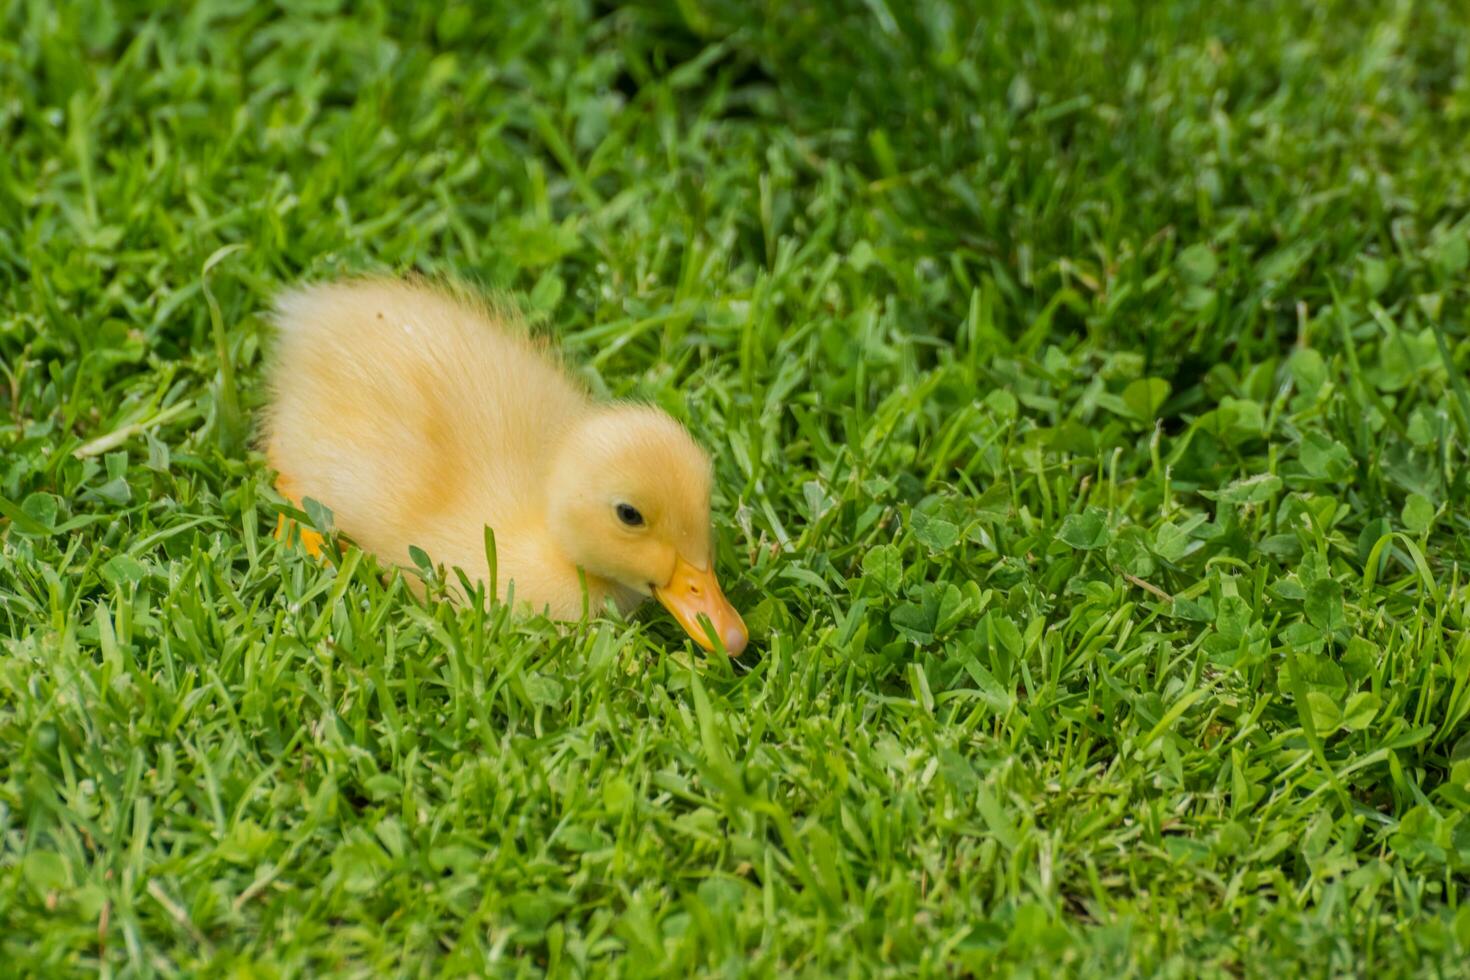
629 515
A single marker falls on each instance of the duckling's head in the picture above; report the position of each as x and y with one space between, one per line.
628 501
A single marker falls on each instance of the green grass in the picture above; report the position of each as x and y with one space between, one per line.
1088 387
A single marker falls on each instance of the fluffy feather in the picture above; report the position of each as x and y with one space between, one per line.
420 415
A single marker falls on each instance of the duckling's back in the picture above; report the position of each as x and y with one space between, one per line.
412 413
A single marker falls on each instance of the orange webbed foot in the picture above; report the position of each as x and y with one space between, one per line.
311 540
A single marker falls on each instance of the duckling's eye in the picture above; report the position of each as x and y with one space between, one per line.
629 515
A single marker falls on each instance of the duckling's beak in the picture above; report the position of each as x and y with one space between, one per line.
692 592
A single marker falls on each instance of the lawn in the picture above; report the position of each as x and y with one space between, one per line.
1089 389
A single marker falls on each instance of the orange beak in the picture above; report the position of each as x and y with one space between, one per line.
692 593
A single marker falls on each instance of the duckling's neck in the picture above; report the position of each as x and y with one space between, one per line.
560 517
530 561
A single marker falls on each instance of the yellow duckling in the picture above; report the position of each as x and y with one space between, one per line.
420 418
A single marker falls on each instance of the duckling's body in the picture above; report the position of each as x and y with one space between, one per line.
419 417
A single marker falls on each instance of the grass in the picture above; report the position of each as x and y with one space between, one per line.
1088 390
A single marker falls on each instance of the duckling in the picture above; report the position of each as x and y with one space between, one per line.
421 415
